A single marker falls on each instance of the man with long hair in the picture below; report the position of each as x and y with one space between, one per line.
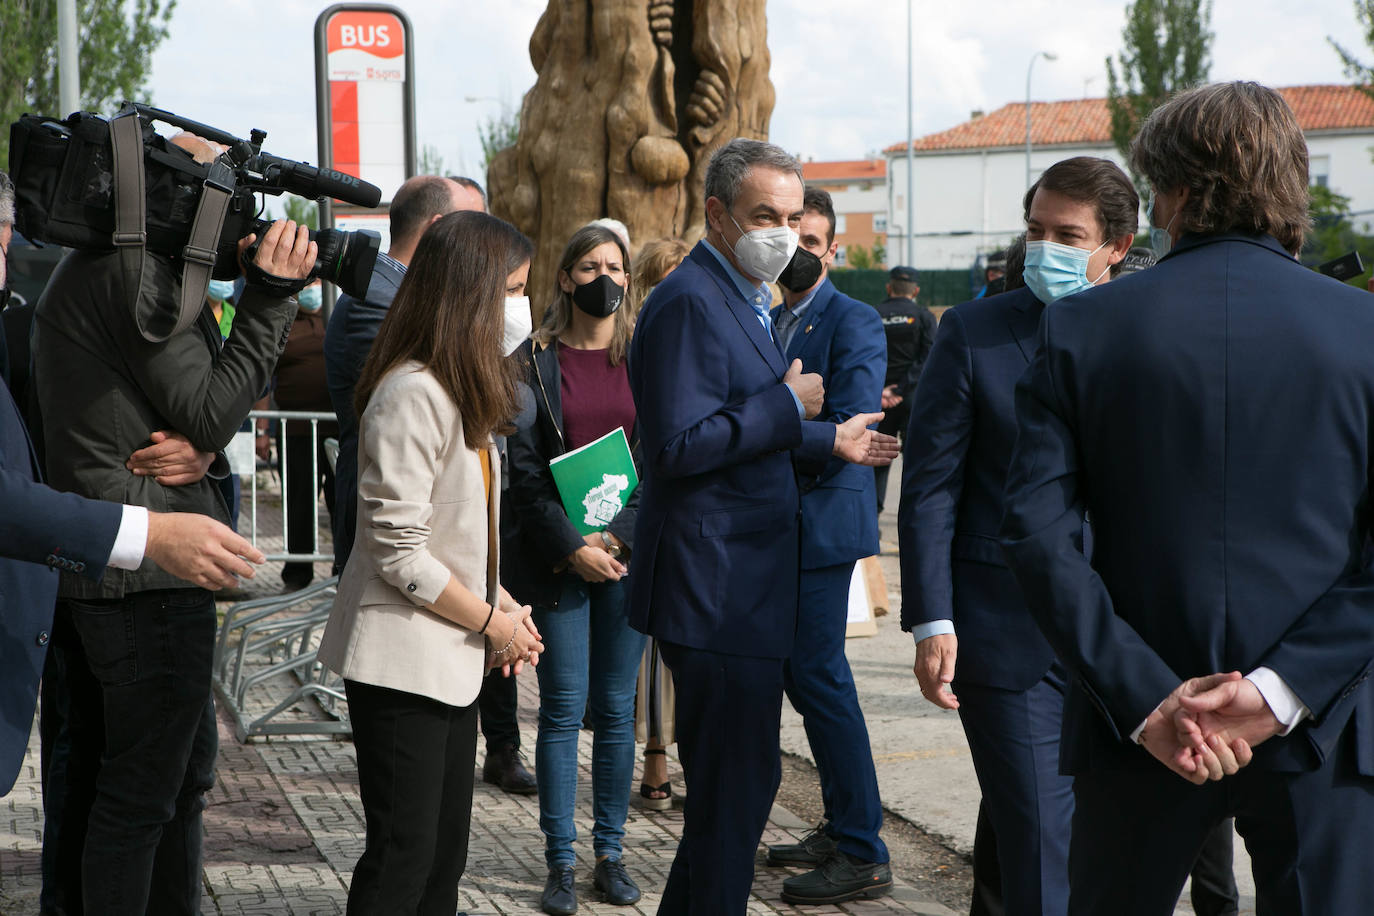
1211 416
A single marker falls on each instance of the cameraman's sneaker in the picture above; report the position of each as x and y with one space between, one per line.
813 849
838 879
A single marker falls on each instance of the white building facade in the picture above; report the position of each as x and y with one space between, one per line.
969 181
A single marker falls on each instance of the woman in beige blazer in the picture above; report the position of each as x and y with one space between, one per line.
420 616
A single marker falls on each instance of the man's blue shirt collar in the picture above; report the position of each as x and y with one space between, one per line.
758 297
391 262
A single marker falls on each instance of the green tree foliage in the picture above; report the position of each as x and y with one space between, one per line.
1359 72
304 212
115 42
1333 233
860 258
1166 46
497 134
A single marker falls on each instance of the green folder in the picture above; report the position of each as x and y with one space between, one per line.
596 480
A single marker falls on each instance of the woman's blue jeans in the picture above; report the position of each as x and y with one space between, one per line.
589 664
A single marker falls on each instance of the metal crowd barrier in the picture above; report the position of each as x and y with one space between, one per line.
267 646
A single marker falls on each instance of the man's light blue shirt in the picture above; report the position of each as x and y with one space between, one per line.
760 299
388 259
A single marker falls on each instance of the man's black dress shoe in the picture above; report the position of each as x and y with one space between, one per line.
615 883
813 849
839 878
505 768
559 897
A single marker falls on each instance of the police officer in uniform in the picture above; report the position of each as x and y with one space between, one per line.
910 330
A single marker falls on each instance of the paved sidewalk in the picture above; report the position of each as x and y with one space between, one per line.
284 826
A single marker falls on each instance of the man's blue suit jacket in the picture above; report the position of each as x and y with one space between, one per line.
348 339
715 564
842 340
1215 417
41 531
954 468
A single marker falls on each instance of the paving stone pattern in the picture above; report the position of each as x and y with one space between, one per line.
284 826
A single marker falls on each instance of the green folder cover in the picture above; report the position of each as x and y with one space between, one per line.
596 480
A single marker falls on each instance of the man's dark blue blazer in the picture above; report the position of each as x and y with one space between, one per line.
348 339
715 564
842 340
41 531
1215 416
953 472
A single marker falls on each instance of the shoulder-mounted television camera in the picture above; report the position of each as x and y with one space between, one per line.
118 185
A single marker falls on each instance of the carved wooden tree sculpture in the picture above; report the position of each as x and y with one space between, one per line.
632 98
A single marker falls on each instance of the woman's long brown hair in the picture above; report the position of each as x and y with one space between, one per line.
449 316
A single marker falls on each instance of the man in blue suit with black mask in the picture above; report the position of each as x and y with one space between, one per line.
841 340
714 576
1212 415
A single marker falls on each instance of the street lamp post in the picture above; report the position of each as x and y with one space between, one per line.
1038 54
910 260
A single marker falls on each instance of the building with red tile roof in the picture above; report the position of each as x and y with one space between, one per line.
858 189
969 179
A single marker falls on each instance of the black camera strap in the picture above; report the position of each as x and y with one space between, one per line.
130 237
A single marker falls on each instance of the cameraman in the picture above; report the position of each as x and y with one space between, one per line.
139 679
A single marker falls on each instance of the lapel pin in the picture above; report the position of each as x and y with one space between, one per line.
808 329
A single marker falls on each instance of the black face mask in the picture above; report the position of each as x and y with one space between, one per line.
599 298
801 273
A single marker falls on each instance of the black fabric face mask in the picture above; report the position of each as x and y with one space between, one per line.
599 298
801 273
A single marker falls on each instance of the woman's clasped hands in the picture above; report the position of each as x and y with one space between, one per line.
513 639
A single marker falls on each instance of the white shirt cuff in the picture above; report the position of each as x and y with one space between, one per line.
1135 735
131 540
801 411
933 628
1283 702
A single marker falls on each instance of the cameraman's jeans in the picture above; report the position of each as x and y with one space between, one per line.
150 657
590 664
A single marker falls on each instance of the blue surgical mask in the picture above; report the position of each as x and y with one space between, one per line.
220 290
309 298
1054 271
1161 242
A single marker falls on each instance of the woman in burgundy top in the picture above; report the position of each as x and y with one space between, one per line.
577 373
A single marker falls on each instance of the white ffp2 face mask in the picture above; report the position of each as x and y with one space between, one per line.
765 253
518 324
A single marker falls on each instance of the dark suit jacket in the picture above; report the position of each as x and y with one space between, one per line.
41 531
352 328
1215 415
716 540
842 340
954 466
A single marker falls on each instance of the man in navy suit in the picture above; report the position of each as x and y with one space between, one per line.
958 597
1212 416
715 573
841 340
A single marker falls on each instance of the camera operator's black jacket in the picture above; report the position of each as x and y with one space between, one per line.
103 389
537 534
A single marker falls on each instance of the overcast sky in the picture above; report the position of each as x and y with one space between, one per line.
839 69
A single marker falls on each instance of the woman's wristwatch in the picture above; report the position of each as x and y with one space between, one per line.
611 546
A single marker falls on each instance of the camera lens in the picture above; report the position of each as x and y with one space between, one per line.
346 259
